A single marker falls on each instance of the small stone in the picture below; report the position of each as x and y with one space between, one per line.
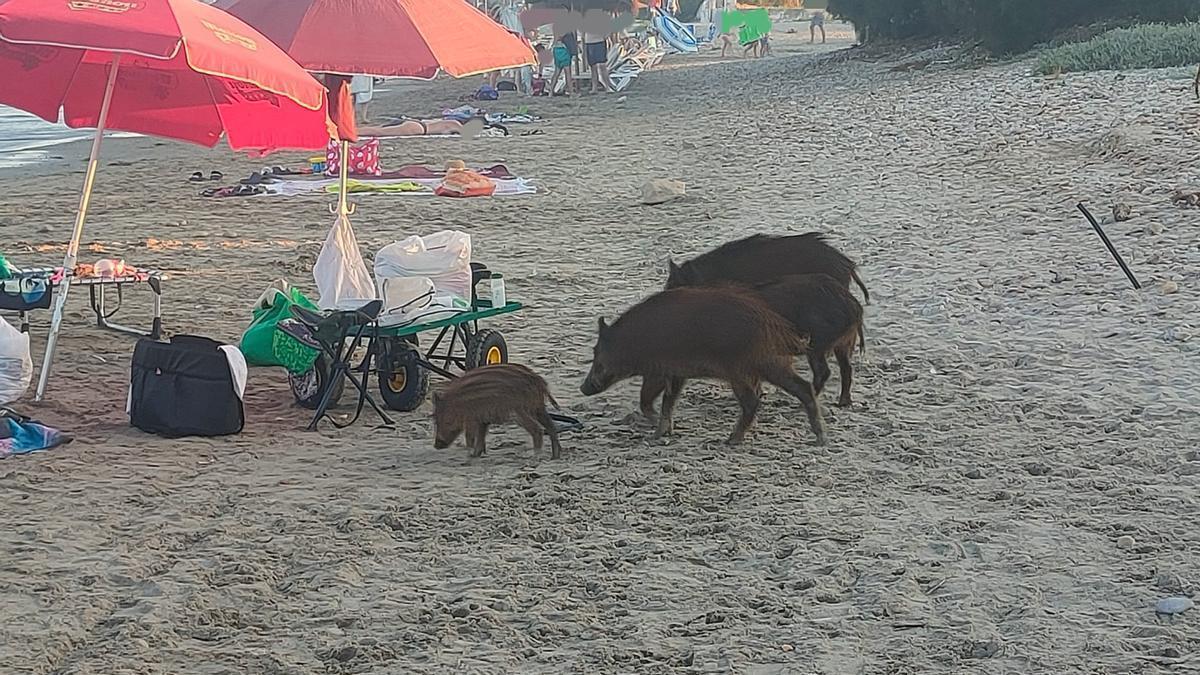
786 647
1121 212
1172 606
1153 228
662 190
974 473
1168 287
460 612
1125 542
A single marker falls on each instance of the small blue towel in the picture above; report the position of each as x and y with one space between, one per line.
26 437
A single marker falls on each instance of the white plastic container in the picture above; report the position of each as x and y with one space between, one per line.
499 299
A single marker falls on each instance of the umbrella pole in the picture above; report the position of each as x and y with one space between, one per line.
85 198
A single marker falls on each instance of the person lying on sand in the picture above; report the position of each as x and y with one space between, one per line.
414 127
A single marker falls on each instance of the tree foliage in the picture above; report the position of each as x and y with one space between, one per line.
1003 25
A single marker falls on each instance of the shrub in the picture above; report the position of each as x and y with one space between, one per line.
1002 25
1144 46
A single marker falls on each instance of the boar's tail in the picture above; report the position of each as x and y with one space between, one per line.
862 340
862 286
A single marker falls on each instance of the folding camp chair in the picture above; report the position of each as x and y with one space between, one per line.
330 333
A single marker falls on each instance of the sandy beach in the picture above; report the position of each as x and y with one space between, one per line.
1019 410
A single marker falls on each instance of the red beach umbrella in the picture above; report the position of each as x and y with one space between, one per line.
177 69
383 38
386 38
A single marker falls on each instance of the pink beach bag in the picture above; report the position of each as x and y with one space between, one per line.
364 158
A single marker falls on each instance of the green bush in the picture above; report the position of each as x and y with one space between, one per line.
1145 46
1002 25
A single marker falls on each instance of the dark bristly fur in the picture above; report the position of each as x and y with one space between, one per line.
761 258
495 394
816 305
725 333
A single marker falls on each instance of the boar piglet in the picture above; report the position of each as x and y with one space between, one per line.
496 394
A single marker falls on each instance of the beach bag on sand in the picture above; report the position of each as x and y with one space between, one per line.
191 386
16 365
343 280
264 345
443 257
364 159
465 183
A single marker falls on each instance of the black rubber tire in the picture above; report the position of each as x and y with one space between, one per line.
486 347
403 384
307 393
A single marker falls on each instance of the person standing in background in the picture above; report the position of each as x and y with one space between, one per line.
362 87
817 21
566 50
597 27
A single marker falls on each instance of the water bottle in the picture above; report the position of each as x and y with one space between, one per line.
498 297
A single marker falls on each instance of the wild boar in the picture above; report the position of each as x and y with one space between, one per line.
761 258
725 333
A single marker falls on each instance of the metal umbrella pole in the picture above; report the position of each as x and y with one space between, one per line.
344 208
85 198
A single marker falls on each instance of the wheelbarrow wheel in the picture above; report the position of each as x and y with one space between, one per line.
486 348
308 387
403 383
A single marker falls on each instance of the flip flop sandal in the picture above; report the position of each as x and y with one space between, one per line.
210 192
196 177
253 179
215 175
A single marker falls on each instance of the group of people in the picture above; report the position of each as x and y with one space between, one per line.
585 35
566 52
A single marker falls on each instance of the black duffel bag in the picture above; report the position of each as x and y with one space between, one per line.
183 388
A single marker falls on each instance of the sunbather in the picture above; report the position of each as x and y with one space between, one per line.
414 127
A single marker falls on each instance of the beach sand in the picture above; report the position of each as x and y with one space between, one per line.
1019 410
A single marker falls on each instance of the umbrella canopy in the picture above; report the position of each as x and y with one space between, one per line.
386 38
173 68
186 71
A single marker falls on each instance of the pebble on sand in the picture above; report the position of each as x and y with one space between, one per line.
662 190
1168 287
1177 605
1125 542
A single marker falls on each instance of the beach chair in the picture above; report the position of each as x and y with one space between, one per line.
339 335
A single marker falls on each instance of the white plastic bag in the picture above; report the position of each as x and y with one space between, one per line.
402 298
16 366
444 257
343 280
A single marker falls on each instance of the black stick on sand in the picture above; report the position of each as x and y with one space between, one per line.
1111 249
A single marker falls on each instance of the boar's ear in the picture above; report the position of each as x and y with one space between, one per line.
437 397
603 326
672 268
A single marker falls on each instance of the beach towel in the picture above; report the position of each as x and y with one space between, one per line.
505 187
20 435
358 186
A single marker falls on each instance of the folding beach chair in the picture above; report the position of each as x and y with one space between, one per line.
339 335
